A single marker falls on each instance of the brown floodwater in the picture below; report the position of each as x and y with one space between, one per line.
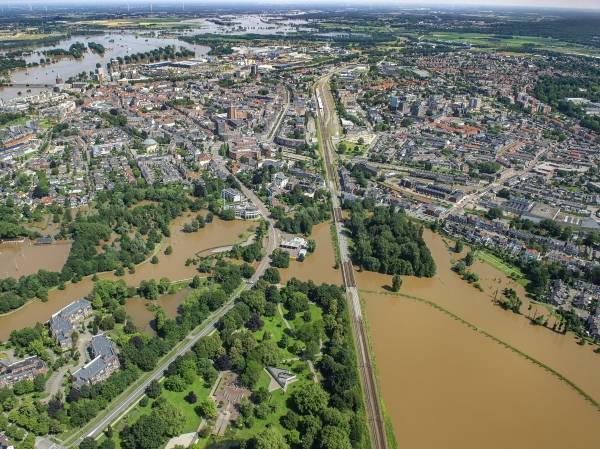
445 385
21 259
185 245
318 266
139 309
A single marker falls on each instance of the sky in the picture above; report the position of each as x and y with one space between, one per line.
595 4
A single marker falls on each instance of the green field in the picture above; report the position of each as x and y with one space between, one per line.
192 420
352 148
512 43
497 263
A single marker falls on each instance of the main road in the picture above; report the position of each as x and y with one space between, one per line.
326 129
130 397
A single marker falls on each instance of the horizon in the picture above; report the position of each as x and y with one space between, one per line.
566 5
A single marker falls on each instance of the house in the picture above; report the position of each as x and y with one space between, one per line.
150 145
104 362
26 369
294 243
232 195
63 322
279 180
282 377
4 443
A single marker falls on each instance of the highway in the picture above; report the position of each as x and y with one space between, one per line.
328 128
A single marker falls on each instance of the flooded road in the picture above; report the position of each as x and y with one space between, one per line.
184 245
446 385
21 259
318 266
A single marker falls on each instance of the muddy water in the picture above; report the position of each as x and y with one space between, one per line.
437 373
142 316
21 259
185 245
445 386
318 266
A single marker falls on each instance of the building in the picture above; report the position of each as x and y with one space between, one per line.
281 376
150 145
244 211
296 246
295 243
63 322
5 443
232 195
104 362
518 206
26 369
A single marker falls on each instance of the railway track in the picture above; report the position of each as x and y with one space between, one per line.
373 409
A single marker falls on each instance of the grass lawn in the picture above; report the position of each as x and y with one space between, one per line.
278 401
497 263
514 42
316 314
192 420
352 148
18 121
275 326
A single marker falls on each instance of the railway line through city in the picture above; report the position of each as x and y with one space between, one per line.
327 118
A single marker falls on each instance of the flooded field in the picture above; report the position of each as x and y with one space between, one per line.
116 44
185 245
437 373
319 266
23 258
142 316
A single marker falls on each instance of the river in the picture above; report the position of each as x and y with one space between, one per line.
116 45
185 245
446 385
127 42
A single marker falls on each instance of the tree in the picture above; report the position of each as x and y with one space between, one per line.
272 275
191 398
280 259
251 373
334 438
154 389
270 438
469 258
88 443
310 400
207 409
458 247
493 213
172 418
396 283
148 432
